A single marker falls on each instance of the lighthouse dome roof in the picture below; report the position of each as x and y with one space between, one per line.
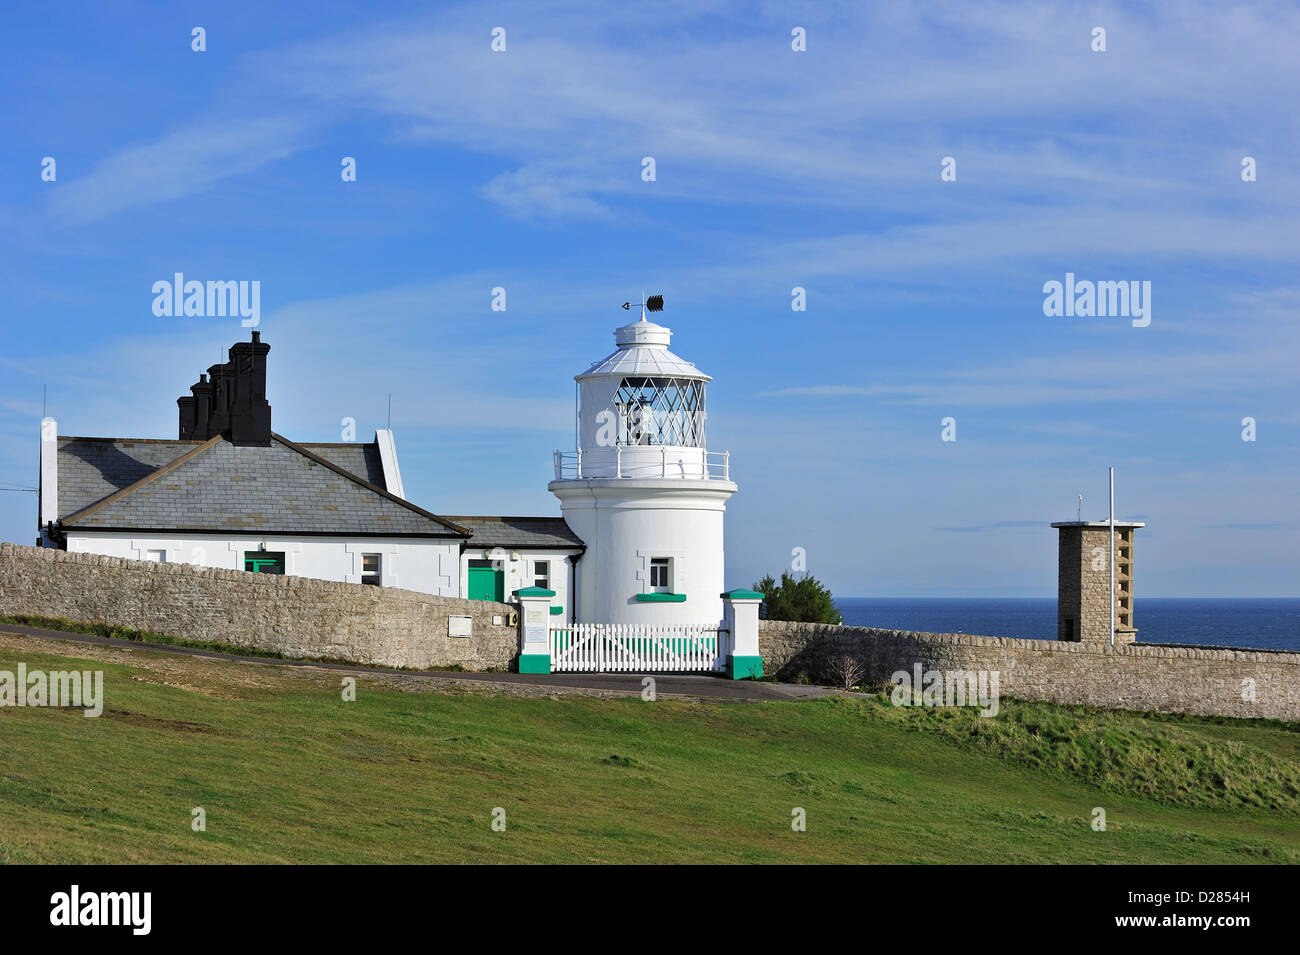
643 351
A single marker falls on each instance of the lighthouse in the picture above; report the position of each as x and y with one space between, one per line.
641 488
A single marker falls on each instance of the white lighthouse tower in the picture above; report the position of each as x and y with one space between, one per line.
642 489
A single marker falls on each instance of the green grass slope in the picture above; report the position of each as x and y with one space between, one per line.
288 772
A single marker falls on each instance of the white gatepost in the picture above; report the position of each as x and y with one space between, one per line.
534 629
740 617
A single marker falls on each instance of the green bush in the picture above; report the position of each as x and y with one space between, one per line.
797 598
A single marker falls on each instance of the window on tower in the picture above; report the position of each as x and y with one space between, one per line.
661 575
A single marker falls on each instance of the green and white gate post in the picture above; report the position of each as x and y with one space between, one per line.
740 616
534 635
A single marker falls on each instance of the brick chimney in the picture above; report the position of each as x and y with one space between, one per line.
194 409
222 382
230 399
250 414
202 392
186 427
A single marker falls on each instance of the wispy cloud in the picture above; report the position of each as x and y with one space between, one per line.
738 117
1253 526
994 526
184 161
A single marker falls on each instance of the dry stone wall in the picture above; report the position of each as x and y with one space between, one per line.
296 616
300 617
1181 679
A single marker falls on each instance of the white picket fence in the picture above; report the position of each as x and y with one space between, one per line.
604 648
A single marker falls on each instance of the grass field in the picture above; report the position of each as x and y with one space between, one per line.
288 772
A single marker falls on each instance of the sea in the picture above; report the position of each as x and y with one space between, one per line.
1271 623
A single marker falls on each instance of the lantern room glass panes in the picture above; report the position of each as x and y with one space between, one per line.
660 411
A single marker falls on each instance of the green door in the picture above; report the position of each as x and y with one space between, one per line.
487 584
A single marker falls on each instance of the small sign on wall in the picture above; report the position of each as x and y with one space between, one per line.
534 628
460 626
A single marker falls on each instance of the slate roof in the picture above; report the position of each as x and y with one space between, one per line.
359 459
90 469
521 532
214 485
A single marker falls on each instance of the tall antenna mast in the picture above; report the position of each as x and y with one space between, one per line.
389 426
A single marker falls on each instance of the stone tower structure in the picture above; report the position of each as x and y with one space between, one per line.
1083 581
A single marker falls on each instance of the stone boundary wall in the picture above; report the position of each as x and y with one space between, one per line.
1165 678
296 616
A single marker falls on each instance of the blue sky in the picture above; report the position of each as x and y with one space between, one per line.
774 169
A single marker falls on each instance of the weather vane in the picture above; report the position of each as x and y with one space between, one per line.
655 303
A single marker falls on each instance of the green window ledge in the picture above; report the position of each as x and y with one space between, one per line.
661 598
534 592
555 610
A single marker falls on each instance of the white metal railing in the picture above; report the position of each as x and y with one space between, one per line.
606 648
643 461
717 465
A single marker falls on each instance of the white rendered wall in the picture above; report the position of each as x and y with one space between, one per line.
624 524
388 461
427 566
48 508
519 573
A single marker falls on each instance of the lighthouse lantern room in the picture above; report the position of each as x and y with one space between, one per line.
642 489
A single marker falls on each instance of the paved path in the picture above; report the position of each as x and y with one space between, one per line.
666 684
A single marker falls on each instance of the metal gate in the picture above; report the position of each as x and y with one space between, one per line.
605 648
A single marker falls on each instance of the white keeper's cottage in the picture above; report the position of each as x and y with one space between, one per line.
629 577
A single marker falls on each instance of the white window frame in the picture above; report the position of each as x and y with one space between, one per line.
678 568
666 563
